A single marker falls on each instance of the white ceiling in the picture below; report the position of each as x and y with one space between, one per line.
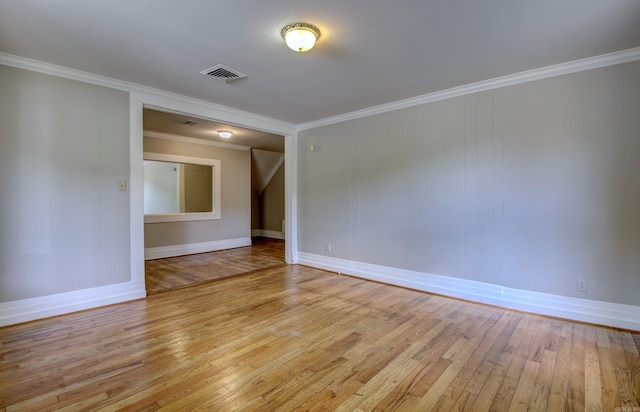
371 51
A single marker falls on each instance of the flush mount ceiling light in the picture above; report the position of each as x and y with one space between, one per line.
300 37
225 134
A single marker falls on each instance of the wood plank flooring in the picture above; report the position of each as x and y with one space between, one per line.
166 274
297 338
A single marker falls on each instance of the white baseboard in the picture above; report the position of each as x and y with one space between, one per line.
273 234
191 248
583 310
53 305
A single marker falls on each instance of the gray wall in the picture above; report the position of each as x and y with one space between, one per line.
64 225
271 202
197 188
255 210
236 197
530 186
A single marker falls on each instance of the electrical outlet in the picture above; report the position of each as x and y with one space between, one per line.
582 285
122 185
327 247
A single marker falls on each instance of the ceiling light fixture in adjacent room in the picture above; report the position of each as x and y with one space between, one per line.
300 37
225 134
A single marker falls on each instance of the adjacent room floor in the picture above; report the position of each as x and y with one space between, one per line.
171 273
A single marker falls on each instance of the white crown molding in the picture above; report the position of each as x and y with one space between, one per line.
604 60
191 248
60 71
193 140
581 310
163 100
53 305
155 98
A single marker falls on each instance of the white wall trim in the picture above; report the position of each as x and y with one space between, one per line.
611 59
193 140
291 197
272 234
582 310
60 71
53 305
191 248
136 193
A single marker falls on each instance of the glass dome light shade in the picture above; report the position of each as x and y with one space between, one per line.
300 37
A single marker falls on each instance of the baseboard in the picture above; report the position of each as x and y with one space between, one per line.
582 310
191 248
53 305
273 234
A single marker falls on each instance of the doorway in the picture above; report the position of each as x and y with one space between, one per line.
185 251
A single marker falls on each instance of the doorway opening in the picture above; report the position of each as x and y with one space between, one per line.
248 234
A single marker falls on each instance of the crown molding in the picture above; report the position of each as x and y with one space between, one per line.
610 59
155 98
195 140
60 71
160 99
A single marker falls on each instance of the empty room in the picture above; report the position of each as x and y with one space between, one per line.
342 205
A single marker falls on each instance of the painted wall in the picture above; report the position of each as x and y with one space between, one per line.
236 197
255 210
64 225
271 202
529 187
197 188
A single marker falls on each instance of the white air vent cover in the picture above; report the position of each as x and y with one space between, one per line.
223 72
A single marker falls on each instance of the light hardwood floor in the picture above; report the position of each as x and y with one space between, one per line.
297 338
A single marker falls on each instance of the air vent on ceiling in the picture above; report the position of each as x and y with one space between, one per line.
223 73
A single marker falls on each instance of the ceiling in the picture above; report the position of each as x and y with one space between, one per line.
174 124
371 52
